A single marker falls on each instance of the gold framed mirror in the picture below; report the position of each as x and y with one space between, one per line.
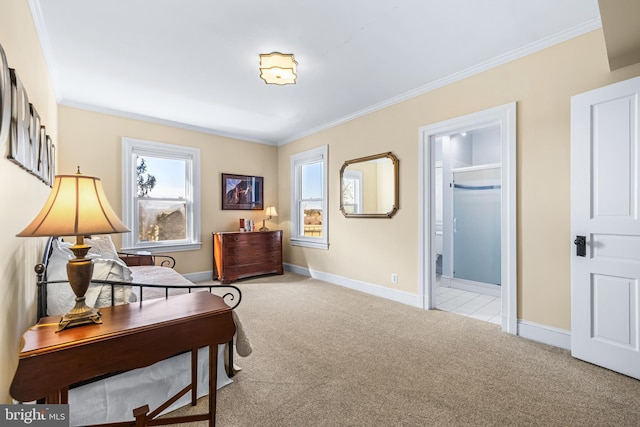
369 186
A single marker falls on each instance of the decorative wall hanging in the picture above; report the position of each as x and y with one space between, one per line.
5 100
25 138
242 192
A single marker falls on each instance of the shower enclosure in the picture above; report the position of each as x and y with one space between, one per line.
468 198
476 224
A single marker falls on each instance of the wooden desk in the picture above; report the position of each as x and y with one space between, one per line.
131 336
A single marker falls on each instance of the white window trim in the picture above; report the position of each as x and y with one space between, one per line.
298 160
138 146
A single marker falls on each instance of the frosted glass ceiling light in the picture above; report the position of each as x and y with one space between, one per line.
278 68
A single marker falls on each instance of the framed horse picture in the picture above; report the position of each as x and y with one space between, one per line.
242 192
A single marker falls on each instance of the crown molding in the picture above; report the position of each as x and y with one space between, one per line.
541 44
47 51
164 122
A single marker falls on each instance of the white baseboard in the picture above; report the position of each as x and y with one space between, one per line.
296 269
201 276
545 334
529 330
368 288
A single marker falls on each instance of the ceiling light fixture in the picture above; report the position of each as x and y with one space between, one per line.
278 68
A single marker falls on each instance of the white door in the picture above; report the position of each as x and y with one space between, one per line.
605 210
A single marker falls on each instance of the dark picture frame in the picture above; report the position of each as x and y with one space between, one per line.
242 192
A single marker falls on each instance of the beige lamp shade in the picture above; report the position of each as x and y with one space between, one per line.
278 68
77 206
271 211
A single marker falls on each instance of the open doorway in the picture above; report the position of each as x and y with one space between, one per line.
467 211
467 200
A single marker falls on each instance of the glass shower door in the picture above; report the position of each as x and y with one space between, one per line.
476 225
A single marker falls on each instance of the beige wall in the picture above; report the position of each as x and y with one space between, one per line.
542 84
93 141
22 194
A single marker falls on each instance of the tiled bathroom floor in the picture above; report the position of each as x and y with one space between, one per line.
470 304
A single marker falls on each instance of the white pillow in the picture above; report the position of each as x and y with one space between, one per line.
102 247
60 296
60 256
117 271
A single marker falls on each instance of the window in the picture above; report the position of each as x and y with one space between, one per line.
160 187
309 198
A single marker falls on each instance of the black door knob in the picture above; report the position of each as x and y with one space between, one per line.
581 245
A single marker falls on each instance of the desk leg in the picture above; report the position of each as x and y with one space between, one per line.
60 396
213 382
230 367
140 414
194 376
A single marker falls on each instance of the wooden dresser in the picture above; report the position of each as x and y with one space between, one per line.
240 255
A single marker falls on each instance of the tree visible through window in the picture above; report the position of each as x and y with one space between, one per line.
146 182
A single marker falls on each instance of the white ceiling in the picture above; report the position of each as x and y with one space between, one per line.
194 63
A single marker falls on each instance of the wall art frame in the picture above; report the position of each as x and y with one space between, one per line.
242 192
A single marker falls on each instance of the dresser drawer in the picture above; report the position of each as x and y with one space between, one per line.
248 258
240 240
255 250
251 270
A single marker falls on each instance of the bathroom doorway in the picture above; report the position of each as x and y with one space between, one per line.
467 236
467 199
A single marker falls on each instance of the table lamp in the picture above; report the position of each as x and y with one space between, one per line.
269 212
77 206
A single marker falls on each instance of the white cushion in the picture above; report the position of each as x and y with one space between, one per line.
102 247
60 296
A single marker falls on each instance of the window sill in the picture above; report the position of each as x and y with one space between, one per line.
164 248
309 244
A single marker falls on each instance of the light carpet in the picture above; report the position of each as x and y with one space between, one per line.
328 356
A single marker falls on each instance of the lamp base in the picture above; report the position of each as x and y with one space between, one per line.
79 272
70 320
264 227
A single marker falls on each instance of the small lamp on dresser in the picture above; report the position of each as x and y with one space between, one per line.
269 213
